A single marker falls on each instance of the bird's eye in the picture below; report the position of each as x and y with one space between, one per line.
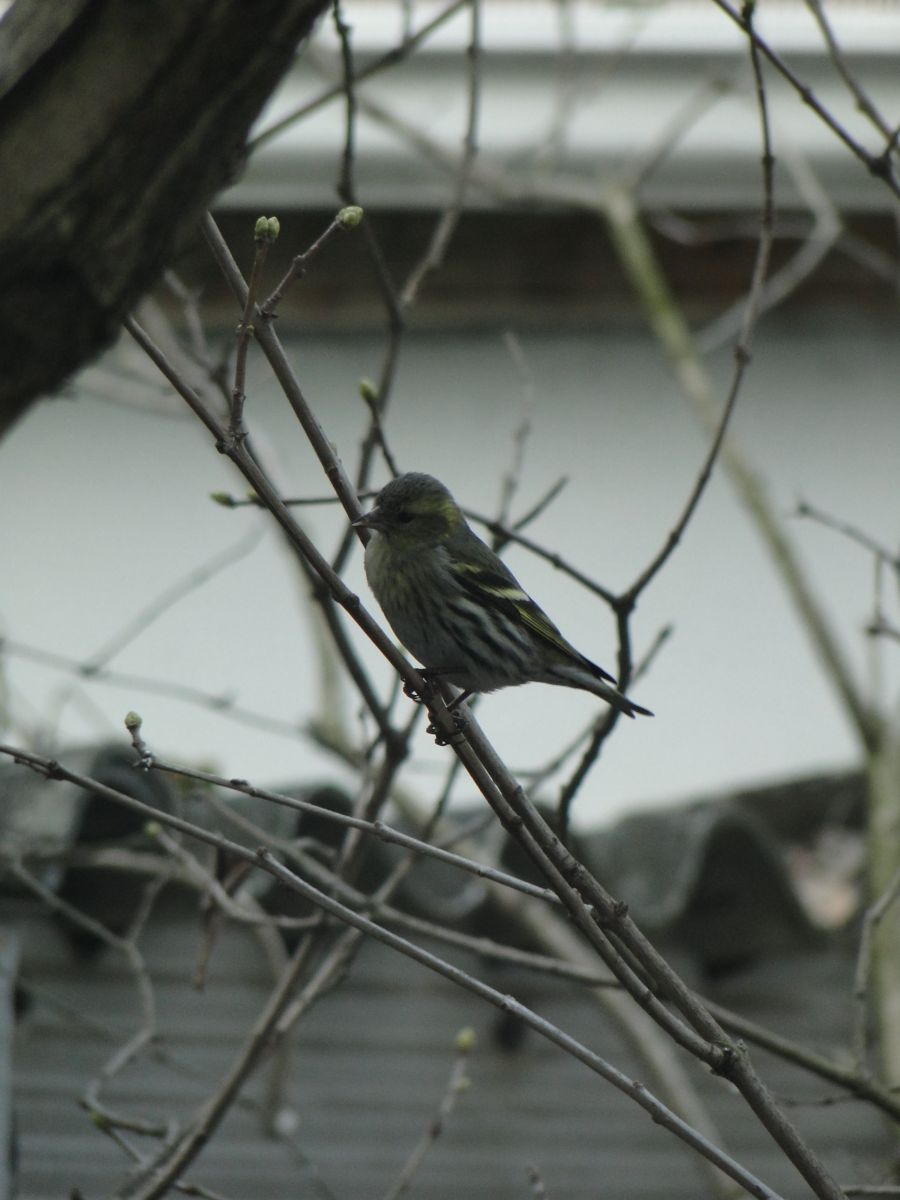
404 517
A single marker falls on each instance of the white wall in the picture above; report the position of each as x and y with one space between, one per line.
105 506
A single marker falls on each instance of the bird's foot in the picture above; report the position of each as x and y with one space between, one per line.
444 739
416 697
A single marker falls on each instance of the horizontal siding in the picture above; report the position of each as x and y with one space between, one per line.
368 1069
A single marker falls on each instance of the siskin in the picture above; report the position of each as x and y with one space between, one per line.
458 608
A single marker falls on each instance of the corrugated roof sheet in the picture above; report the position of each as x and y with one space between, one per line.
369 1066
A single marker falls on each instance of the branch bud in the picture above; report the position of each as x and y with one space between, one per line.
350 216
466 1039
266 229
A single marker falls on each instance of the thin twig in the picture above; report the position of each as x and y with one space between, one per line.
511 480
457 1083
226 500
864 102
854 533
880 627
193 321
508 534
296 536
872 918
878 165
157 1175
449 219
742 349
398 303
348 218
536 1180
784 281
175 690
374 402
396 54
265 233
540 505
278 360
143 1035
346 187
168 598
376 829
674 130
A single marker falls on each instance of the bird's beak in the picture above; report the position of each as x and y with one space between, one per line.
369 520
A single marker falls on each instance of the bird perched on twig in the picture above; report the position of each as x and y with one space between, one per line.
458 608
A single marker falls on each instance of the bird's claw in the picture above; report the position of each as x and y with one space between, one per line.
416 696
429 678
453 739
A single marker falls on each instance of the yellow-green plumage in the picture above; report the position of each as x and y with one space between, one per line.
457 607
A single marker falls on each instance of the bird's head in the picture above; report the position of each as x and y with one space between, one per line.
414 510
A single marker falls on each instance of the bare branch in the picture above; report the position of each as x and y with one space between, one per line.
888 557
396 54
226 705
346 219
863 100
879 165
743 347
457 1083
449 220
873 917
265 233
106 1119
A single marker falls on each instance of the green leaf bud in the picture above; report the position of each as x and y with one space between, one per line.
350 216
466 1039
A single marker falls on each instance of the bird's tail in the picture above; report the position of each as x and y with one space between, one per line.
577 676
624 704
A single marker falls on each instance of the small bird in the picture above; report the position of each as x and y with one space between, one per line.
458 608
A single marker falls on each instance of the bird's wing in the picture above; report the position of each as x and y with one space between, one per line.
497 587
